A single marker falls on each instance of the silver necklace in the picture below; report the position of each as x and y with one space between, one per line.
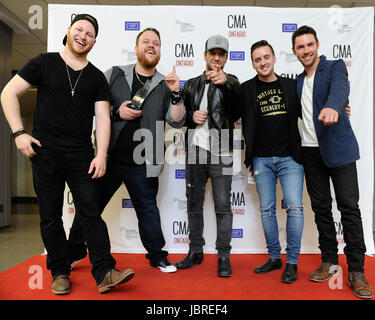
136 74
72 89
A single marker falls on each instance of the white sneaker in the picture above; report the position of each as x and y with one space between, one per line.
165 266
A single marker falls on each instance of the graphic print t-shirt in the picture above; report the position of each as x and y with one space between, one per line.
272 121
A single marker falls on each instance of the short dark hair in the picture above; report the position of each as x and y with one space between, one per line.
258 44
303 30
147 29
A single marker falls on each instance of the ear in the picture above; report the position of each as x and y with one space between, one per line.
294 51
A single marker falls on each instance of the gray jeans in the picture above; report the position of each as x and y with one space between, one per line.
197 174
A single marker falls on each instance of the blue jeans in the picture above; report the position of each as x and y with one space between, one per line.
290 174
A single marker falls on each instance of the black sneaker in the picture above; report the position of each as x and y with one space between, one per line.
165 266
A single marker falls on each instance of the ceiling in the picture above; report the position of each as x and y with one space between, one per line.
27 43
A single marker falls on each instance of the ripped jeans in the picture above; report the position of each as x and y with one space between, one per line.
219 170
291 176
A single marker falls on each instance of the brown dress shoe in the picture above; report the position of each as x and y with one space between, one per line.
361 288
114 277
61 284
324 272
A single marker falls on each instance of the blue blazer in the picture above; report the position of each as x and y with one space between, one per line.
338 144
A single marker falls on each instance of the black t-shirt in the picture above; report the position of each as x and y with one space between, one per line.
125 144
60 120
272 121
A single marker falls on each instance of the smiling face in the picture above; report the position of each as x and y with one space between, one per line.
81 37
263 62
306 50
148 49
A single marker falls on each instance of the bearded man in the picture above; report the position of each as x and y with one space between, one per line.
133 160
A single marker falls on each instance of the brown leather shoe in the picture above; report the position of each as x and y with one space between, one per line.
114 277
361 288
323 273
61 284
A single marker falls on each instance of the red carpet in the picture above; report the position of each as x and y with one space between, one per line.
198 283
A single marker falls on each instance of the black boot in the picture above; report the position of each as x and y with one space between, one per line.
290 273
190 260
224 268
270 265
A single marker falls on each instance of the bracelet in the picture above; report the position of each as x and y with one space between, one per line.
176 97
18 133
175 93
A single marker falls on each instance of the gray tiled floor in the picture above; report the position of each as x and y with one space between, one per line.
21 240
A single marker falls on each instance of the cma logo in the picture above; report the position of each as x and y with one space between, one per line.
289 75
339 228
341 51
238 199
236 21
184 50
180 228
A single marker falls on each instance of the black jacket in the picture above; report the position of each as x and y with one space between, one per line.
223 107
249 123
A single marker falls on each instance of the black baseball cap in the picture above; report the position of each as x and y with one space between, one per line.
87 17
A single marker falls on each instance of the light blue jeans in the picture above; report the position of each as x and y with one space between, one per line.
291 176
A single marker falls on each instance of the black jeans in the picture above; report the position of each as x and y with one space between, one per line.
197 174
51 169
345 183
143 192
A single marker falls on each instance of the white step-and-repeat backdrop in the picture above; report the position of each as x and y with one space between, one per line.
343 33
